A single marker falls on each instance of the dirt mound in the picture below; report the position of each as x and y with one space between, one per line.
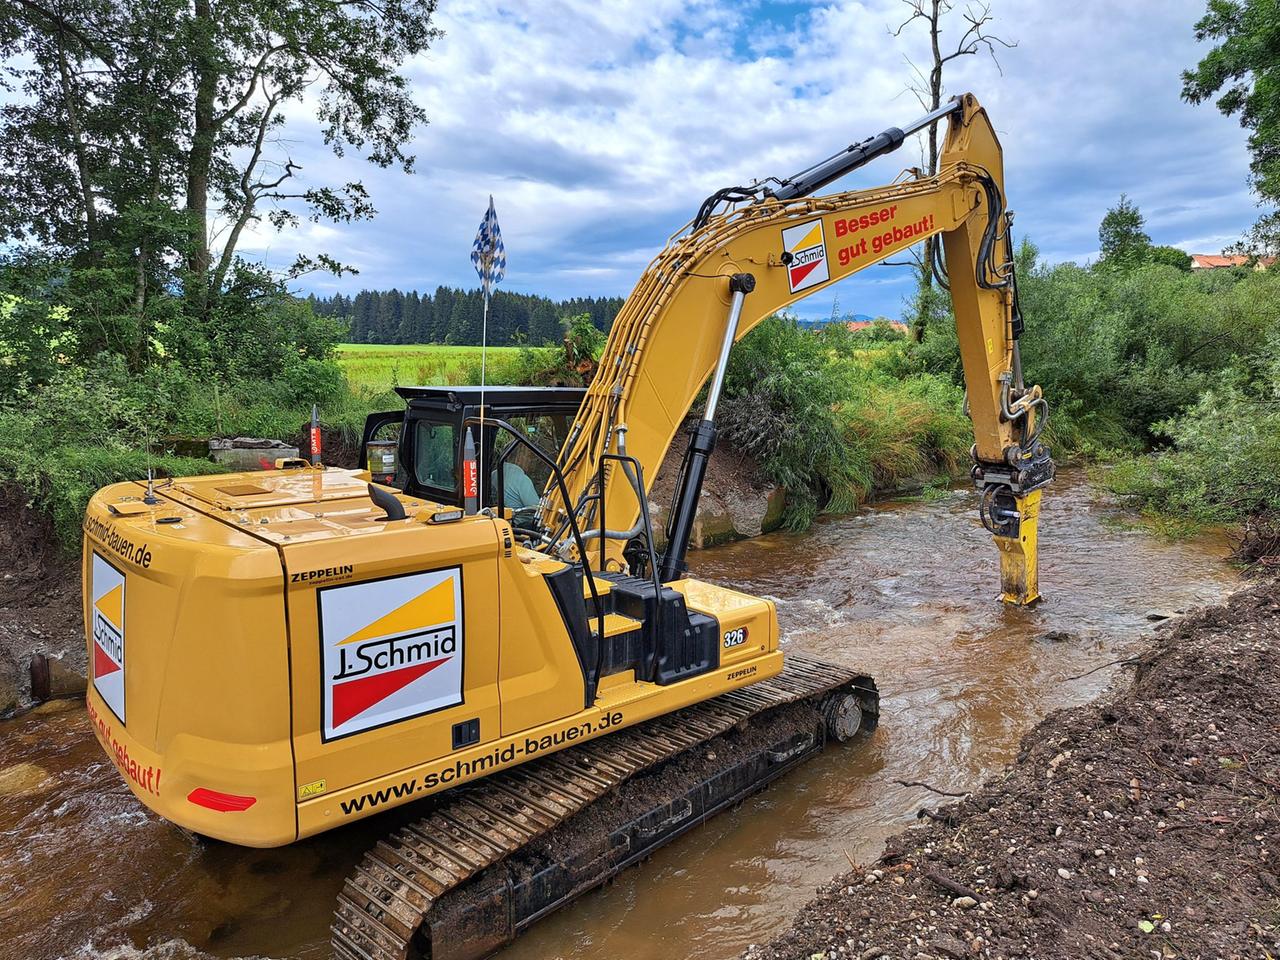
338 447
1145 825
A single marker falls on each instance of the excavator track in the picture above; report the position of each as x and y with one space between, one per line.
406 898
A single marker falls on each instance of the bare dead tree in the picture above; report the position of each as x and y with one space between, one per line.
929 88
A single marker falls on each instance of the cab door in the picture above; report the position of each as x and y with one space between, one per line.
430 453
393 647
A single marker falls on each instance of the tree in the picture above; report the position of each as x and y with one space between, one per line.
1121 237
443 316
1246 62
409 319
151 135
1171 257
929 91
544 325
453 316
881 330
364 317
466 319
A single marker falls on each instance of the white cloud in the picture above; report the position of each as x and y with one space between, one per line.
599 126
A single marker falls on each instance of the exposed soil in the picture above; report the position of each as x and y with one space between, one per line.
39 599
737 501
1259 542
729 473
27 545
338 447
1144 825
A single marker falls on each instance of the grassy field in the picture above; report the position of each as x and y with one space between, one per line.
382 366
379 366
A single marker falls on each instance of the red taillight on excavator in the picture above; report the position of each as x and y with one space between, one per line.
222 802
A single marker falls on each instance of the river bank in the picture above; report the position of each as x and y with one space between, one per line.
1142 825
40 617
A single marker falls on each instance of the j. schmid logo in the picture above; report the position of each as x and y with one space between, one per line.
808 264
392 650
107 626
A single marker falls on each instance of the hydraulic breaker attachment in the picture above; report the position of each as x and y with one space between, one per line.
1015 536
1010 505
1010 510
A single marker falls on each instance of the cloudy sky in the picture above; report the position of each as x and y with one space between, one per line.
599 125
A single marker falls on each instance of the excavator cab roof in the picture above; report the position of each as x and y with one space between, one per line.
493 396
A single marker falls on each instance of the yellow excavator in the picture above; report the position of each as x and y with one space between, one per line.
276 654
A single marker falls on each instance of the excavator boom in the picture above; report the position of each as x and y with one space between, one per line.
727 271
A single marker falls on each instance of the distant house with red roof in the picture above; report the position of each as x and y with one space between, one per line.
855 322
856 325
1217 261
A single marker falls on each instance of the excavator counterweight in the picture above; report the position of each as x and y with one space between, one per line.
277 654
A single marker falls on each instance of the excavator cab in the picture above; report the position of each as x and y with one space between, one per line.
429 437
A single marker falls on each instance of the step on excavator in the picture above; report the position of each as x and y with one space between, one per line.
277 654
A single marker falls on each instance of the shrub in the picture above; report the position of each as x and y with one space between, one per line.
89 426
827 421
83 430
571 364
1119 351
1222 465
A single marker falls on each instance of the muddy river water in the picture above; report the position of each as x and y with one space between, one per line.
905 589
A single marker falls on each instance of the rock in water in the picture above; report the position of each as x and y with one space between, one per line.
21 778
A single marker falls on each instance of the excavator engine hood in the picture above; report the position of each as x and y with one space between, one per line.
189 665
195 676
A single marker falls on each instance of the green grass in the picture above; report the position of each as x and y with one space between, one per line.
377 366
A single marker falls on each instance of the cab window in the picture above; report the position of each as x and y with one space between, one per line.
547 432
435 454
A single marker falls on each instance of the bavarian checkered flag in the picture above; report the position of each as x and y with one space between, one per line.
488 255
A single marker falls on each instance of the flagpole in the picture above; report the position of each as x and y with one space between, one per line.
484 350
490 260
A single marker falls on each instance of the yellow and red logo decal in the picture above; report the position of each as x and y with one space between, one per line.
106 663
807 264
391 650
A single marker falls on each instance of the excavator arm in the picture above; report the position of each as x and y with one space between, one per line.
776 245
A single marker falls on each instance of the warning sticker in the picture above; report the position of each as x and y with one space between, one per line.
106 592
807 265
391 650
